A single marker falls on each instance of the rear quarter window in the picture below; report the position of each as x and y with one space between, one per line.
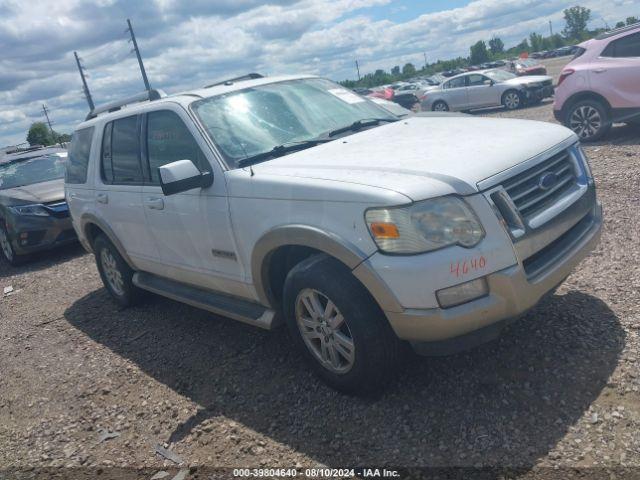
78 159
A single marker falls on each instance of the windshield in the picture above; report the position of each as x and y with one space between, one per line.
34 170
499 75
253 121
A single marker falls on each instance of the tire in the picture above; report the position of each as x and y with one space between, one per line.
589 120
512 100
7 251
115 273
361 329
440 106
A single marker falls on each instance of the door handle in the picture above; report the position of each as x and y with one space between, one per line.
154 203
102 198
600 70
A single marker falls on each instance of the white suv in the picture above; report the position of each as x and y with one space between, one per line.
291 199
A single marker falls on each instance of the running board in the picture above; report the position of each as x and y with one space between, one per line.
224 305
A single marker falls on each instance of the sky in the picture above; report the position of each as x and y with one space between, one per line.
188 44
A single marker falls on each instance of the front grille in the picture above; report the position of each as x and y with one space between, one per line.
530 195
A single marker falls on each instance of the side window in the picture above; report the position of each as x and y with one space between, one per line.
169 140
476 80
125 165
78 159
455 83
628 46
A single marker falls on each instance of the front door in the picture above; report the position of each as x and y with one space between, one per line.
192 230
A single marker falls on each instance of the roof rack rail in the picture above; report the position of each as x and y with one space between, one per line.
616 31
150 95
248 76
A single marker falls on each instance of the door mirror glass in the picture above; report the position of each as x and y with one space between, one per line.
183 175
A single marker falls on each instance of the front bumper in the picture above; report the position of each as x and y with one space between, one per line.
539 93
30 234
511 295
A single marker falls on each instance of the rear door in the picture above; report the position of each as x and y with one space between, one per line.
480 91
616 73
118 193
455 93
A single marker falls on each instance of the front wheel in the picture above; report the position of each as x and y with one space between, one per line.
440 106
588 119
7 250
338 326
511 100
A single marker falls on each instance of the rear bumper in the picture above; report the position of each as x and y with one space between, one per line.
512 293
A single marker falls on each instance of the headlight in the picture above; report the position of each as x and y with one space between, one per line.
424 226
33 210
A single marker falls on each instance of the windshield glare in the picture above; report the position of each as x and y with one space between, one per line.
34 170
255 120
499 75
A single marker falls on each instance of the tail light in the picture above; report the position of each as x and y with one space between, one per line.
565 73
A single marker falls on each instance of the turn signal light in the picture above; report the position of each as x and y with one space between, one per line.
384 230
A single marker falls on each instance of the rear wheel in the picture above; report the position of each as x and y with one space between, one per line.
588 119
115 273
338 326
8 252
511 100
440 106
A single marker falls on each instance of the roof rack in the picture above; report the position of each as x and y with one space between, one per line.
231 81
150 95
616 31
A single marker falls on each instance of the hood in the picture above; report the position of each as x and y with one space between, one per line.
528 79
422 157
44 192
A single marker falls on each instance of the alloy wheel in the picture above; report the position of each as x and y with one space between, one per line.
440 107
111 272
325 331
512 100
6 246
585 121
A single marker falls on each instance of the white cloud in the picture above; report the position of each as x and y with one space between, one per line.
189 44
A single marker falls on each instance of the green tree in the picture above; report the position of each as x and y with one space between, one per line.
632 20
620 25
496 45
408 70
536 41
576 19
39 134
395 71
65 137
479 53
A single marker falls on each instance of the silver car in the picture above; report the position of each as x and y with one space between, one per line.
487 88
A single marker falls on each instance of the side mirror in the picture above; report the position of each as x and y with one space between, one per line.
183 175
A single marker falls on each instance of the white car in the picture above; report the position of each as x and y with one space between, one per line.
293 200
487 88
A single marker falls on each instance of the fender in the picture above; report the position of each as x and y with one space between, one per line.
89 218
327 242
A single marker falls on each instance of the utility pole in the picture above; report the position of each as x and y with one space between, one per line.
425 60
46 115
550 28
87 93
358 69
137 50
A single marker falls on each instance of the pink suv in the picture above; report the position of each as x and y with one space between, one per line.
601 85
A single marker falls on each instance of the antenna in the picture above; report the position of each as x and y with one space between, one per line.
87 93
137 50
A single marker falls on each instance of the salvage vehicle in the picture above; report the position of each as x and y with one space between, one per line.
601 85
293 200
34 215
527 66
487 88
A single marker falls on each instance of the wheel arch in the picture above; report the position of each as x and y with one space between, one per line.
281 248
581 96
92 226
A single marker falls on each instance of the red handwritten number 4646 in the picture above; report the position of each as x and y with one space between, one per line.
463 267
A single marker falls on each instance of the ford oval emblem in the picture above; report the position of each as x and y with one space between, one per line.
547 180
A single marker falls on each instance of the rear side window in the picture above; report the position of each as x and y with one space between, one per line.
121 152
455 83
78 159
628 46
169 140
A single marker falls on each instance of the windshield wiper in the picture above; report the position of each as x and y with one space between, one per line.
360 124
281 150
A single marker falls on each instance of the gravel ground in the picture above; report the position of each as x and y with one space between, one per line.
559 389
